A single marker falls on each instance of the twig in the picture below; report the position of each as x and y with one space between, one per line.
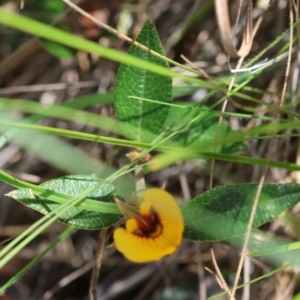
247 271
48 86
200 269
197 246
221 281
66 280
97 264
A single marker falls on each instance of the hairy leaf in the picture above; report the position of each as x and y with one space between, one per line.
224 212
73 185
132 81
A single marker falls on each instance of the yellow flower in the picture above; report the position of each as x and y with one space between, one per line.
155 231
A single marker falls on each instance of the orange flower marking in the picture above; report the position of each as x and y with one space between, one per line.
154 232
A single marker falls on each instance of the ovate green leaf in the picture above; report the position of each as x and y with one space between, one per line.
224 212
73 185
132 81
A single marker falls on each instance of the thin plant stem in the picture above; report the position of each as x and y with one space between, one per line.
269 155
97 264
124 37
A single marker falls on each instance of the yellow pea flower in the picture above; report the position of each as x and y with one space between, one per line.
154 232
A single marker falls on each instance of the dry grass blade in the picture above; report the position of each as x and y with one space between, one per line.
269 155
66 280
118 34
222 13
219 277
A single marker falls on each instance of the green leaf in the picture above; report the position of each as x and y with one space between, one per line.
203 129
132 81
58 50
296 297
45 11
73 185
224 212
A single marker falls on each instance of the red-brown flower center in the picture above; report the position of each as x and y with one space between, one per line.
149 225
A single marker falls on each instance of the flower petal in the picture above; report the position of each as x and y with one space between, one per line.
138 248
141 249
131 225
167 210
